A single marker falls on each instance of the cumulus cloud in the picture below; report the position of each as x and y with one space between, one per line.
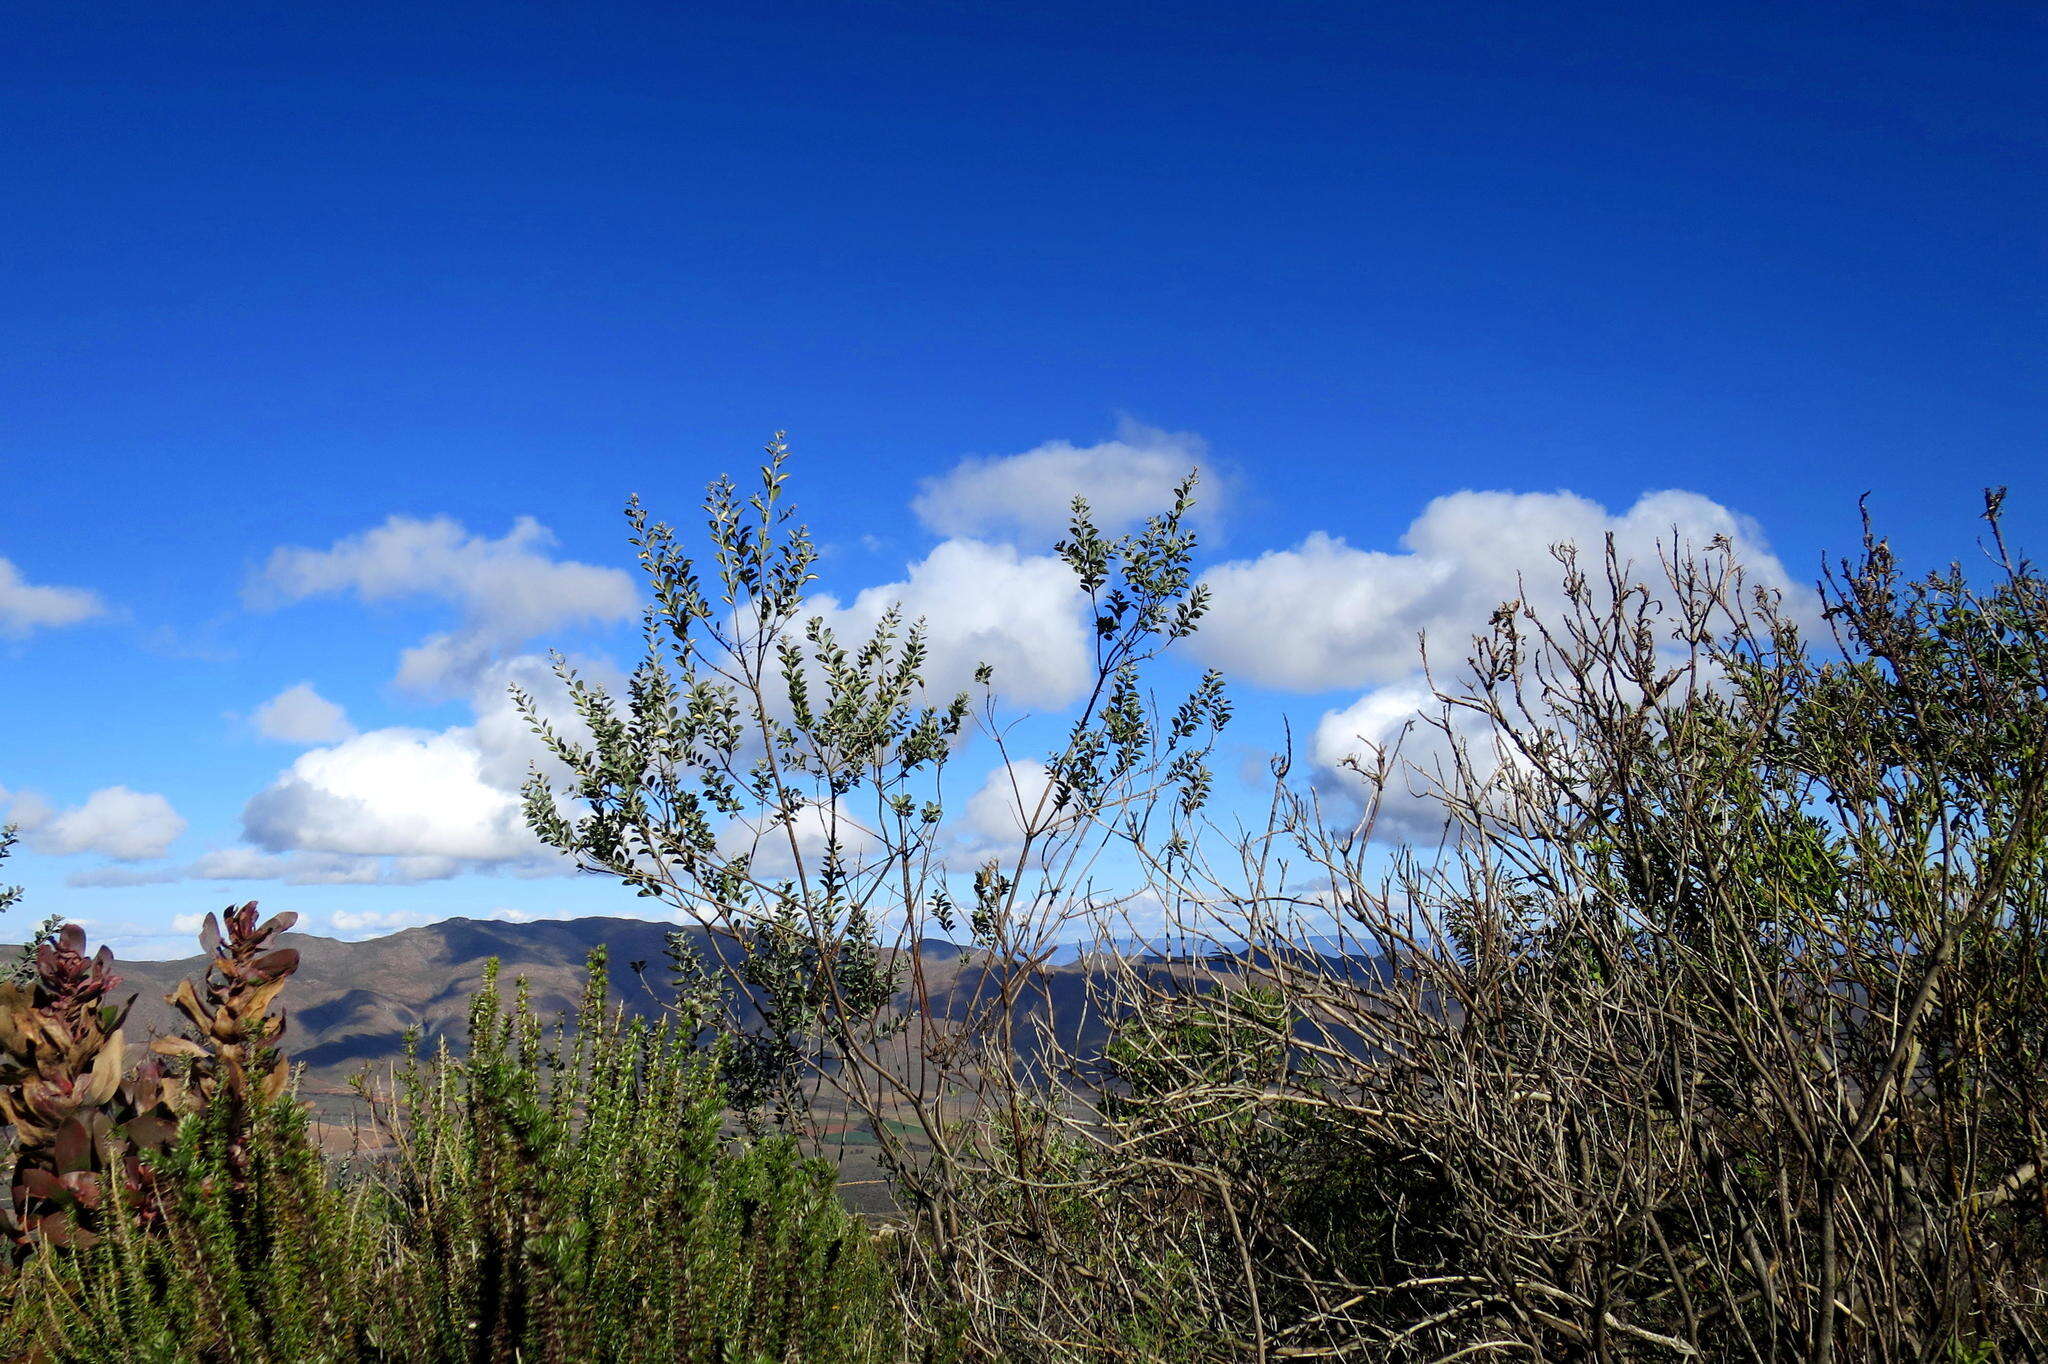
239 864
1030 495
370 923
995 816
1403 724
402 805
391 792
986 603
506 746
26 607
25 809
133 941
352 924
508 590
1326 614
301 715
128 826
766 842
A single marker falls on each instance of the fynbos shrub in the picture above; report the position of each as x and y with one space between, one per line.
79 1121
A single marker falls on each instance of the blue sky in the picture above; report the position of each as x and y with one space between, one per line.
278 275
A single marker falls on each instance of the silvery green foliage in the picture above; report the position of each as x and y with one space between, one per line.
785 787
10 896
24 968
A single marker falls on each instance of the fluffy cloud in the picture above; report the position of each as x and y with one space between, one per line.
25 607
320 869
432 802
391 792
403 804
1352 617
1029 495
300 715
129 826
1325 614
767 842
508 590
994 817
1402 724
133 941
372 922
24 809
986 603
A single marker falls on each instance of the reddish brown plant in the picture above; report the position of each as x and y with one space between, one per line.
236 1053
76 1120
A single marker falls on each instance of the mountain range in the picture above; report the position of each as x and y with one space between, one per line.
350 1005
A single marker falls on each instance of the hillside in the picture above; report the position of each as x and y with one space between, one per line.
351 1003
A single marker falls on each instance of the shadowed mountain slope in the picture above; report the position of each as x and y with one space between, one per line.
351 1003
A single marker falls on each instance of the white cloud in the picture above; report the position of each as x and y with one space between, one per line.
224 865
400 805
25 809
1400 724
370 923
985 603
397 803
133 941
1325 614
391 792
319 869
300 715
375 921
25 607
1030 495
505 742
509 589
766 842
129 826
238 864
995 816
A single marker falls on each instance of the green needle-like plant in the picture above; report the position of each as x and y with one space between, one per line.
568 1194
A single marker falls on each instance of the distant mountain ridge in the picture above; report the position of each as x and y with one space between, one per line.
350 1004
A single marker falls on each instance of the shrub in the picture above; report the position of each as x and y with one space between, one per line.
568 1195
1709 1026
558 1194
82 1125
1713 1028
248 1253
